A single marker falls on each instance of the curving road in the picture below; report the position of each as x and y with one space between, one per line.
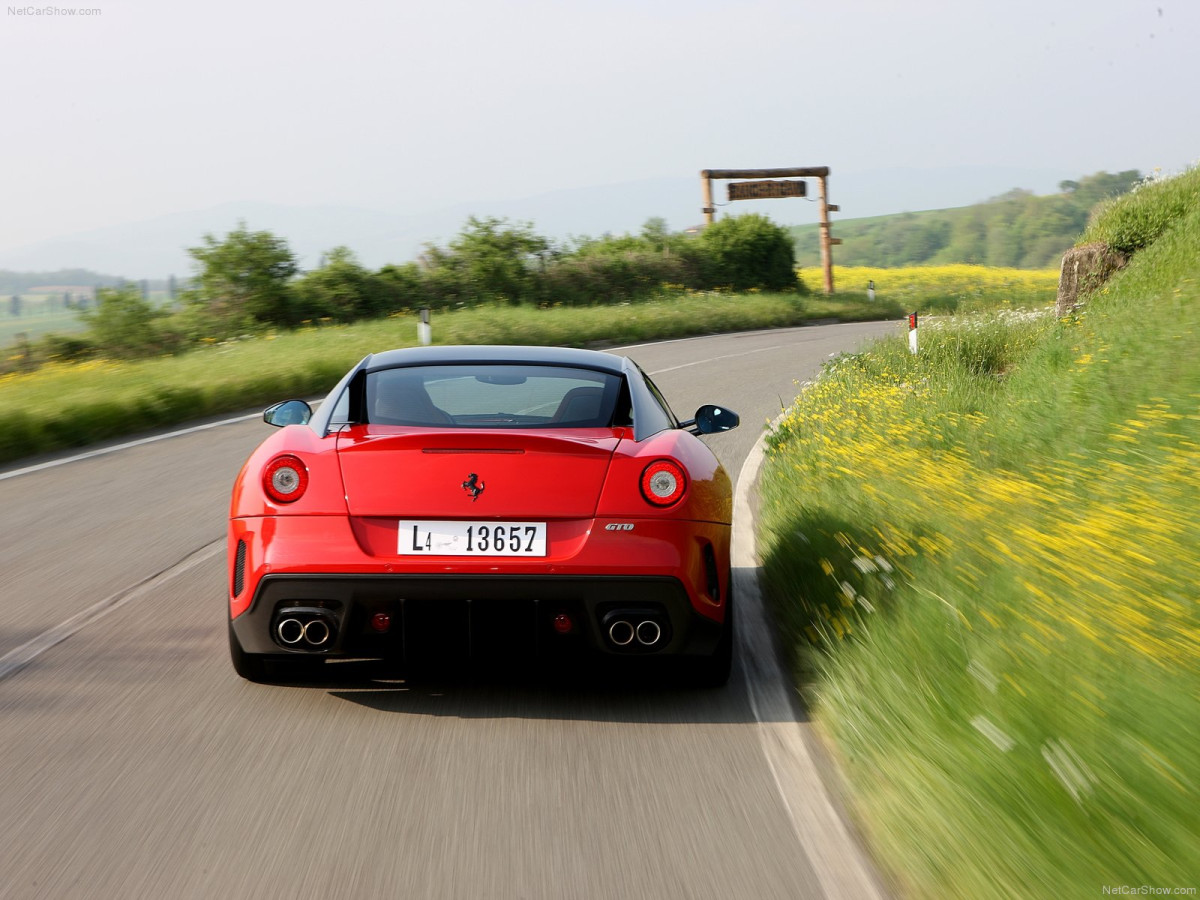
134 763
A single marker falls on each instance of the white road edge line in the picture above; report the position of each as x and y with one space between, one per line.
22 656
693 337
840 864
704 362
125 446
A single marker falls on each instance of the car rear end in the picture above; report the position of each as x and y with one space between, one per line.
516 536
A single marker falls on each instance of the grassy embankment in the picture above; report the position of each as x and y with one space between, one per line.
983 560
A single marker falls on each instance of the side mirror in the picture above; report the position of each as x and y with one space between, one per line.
714 419
289 412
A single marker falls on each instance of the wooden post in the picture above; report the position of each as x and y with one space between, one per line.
826 246
706 189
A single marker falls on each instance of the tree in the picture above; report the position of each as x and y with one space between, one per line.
123 324
406 286
341 289
656 233
495 260
244 279
1102 185
968 238
750 251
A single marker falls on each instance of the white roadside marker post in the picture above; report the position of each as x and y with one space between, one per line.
424 329
912 332
871 291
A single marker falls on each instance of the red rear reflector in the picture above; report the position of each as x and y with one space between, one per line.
663 482
563 624
285 479
381 622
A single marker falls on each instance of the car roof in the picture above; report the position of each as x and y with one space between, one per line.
467 354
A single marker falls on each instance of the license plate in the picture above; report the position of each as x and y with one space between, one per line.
459 538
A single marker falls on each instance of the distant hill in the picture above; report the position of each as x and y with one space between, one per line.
1015 229
156 248
59 280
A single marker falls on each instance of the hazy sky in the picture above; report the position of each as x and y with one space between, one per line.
151 107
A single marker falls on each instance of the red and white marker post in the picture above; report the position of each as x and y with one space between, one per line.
912 332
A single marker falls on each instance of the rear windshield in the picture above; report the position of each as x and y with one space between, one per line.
495 396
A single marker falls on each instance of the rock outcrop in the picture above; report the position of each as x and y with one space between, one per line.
1084 269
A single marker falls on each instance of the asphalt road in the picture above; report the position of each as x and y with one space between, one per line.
135 763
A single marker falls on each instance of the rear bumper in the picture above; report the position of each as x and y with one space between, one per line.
694 555
442 618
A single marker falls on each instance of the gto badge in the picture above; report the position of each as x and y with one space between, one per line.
473 486
619 526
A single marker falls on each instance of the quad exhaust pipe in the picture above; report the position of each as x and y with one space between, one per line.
623 632
648 632
304 629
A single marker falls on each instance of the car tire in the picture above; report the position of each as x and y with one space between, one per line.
250 666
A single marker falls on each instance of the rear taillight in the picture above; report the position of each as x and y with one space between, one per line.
285 479
663 482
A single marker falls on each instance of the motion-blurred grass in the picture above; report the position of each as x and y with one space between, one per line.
983 559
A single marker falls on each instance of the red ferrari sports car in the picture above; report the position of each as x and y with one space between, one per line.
483 503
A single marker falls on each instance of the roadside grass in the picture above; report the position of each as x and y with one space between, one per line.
944 289
66 405
1136 220
983 561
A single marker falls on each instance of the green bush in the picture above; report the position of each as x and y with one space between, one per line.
67 348
493 260
124 325
592 279
341 289
750 251
244 279
404 287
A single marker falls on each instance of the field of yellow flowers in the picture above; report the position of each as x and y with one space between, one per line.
985 560
946 288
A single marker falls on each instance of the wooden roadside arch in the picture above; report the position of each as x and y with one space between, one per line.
821 173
